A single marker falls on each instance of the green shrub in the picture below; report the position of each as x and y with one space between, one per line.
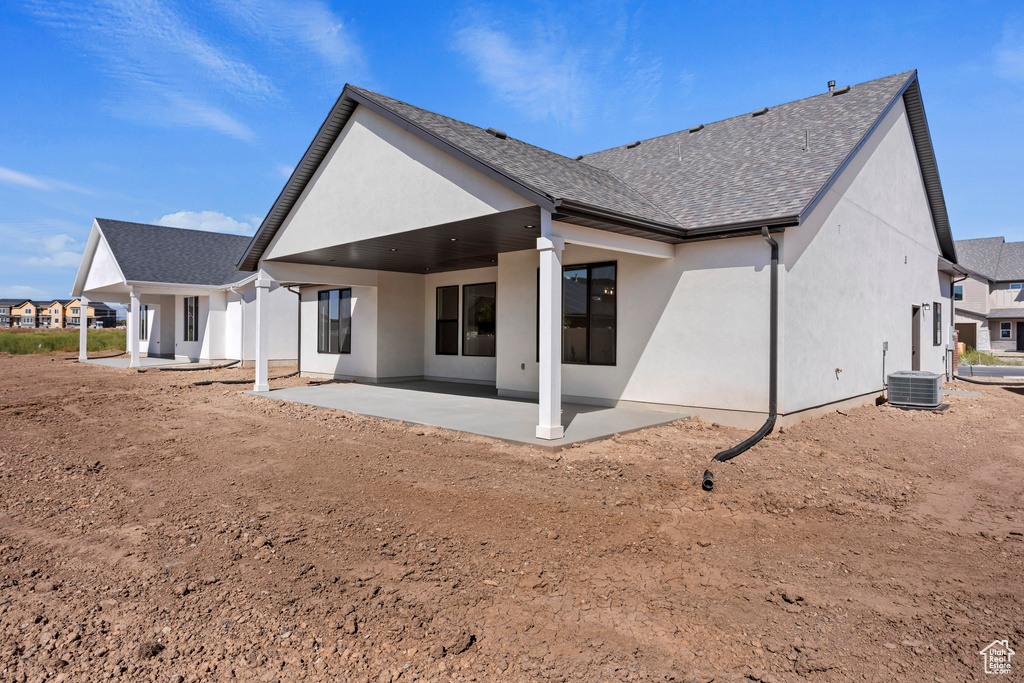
48 342
975 357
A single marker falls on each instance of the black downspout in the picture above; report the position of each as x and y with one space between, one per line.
773 362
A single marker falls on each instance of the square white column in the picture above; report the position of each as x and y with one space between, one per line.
134 316
549 425
83 329
262 336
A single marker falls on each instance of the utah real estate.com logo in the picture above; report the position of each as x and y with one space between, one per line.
997 657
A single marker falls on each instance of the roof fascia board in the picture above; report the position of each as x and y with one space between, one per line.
189 286
925 159
95 235
519 187
570 207
832 179
929 167
261 240
278 203
725 230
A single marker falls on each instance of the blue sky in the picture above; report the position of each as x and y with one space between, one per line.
194 114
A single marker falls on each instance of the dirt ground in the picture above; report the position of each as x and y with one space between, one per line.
151 530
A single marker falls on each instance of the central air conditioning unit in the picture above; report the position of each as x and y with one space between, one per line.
915 388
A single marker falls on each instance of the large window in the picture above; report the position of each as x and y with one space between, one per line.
479 319
588 314
143 323
334 326
937 331
1005 330
191 326
446 335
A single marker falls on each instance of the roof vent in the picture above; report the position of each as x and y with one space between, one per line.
840 91
831 86
577 158
760 112
696 128
500 134
633 144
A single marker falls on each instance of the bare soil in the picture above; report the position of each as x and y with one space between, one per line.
151 530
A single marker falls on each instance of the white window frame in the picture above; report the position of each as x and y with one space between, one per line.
1006 330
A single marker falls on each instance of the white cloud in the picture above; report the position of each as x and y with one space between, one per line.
11 177
211 221
285 171
171 72
549 70
40 251
544 79
307 25
21 291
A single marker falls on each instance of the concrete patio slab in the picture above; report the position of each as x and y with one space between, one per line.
471 408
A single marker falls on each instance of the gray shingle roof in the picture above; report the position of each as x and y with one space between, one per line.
752 168
768 169
993 258
553 174
154 253
1006 313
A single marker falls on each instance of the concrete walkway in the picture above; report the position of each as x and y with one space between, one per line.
471 408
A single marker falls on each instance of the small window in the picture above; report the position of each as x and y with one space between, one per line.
334 326
143 323
1017 286
1005 330
191 319
937 321
479 319
958 292
446 335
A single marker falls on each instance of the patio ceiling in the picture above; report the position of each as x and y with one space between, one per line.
473 243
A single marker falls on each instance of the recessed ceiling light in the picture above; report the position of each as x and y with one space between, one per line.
453 239
529 227
426 269
393 249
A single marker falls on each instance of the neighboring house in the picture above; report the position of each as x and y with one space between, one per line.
52 313
6 306
25 314
990 300
186 298
425 247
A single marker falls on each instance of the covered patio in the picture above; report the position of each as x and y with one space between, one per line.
472 408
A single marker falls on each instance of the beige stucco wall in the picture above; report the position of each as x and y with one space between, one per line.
854 269
976 295
379 179
1003 297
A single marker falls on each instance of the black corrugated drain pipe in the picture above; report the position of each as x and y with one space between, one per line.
707 482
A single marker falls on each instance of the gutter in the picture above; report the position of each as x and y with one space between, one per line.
707 482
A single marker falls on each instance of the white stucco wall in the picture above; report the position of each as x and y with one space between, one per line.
854 269
379 179
399 325
361 363
472 368
282 335
688 328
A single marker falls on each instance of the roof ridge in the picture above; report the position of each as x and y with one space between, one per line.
173 227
